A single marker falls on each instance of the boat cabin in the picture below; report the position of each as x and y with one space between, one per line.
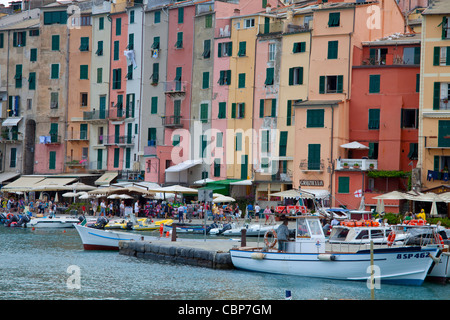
358 235
309 237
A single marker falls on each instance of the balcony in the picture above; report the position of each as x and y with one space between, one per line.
11 137
271 28
357 164
97 165
77 136
77 163
119 140
96 115
306 165
51 139
131 175
172 122
175 88
150 149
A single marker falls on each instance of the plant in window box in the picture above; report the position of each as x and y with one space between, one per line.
371 166
355 166
345 165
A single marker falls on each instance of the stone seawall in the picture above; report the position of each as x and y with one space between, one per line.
177 253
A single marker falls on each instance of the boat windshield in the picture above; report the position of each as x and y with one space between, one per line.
339 234
364 234
302 229
376 234
315 227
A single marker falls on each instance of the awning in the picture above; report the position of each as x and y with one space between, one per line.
354 145
24 183
242 183
319 194
106 178
183 165
10 122
5 176
53 184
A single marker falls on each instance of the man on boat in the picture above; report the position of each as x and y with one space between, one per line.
282 233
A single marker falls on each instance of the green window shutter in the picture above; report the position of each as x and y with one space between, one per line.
84 72
116 157
154 108
437 96
152 136
99 75
269 76
228 77
261 108
32 81
157 17
315 118
417 55
131 16
118 26
99 159
333 49
233 110
208 21
84 44
238 141
181 15
291 76
219 140
444 28
313 156
129 75
289 113
418 82
83 131
300 75
216 167
436 163
444 134
156 42
222 110
179 43
116 133
18 76
219 50
322 84
436 56
116 50
131 41
176 140
265 141
334 19
230 49
374 83
206 49
55 42
155 75
52 160
127 157
205 83
344 185
242 48
33 54
340 84
55 71
204 112
274 108
283 143
178 73
13 158
54 132
2 40
15 39
99 51
101 23
374 119
203 145
241 82
447 58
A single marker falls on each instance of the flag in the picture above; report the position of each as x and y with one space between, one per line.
358 193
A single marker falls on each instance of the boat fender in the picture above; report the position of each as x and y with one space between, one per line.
266 238
326 257
439 240
257 255
391 238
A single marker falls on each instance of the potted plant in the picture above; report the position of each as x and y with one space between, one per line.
345 165
371 166
355 166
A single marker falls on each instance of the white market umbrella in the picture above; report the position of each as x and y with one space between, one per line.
113 196
433 211
125 196
292 193
69 194
56 197
380 206
177 189
394 195
85 196
223 199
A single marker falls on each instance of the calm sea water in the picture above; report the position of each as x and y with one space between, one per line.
34 265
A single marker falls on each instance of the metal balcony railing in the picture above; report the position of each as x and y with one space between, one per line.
172 121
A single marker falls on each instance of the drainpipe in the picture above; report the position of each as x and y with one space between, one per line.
67 98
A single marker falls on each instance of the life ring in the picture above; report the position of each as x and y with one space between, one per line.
439 239
391 238
272 244
9 215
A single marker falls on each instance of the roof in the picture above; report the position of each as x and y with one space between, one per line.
395 39
437 7
309 103
20 20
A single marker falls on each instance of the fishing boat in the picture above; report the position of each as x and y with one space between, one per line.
252 230
306 255
364 232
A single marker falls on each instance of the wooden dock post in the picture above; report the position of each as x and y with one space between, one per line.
174 232
243 237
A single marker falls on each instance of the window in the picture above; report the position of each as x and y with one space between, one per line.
129 75
413 151
267 108
2 39
176 140
315 118
238 110
334 19
84 99
249 23
117 77
378 56
181 15
289 113
374 83
155 75
157 17
272 51
283 143
156 42
225 49
130 41
241 80
179 43
131 16
333 49
99 75
55 42
238 142
299 47
32 81
204 112
443 133
52 160
19 39
441 56
205 82
374 119
154 105
33 54
242 49
118 26
32 33
445 28
99 51
441 96
314 157
54 71
83 131
84 45
411 55
55 17
116 50
54 100
216 167
208 21
373 150
18 76
206 49
225 77
418 82
101 23
54 132
116 157
331 84
265 141
344 185
219 139
84 72
410 118
295 76
222 110
269 76
203 145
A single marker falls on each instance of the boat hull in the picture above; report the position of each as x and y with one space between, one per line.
398 266
97 239
52 222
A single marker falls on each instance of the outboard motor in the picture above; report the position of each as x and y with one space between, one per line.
23 221
129 225
11 221
225 228
101 223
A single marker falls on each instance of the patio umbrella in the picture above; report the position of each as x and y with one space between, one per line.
56 197
125 196
223 199
86 196
100 191
434 211
292 193
203 181
177 189
69 194
113 196
394 195
79 186
380 206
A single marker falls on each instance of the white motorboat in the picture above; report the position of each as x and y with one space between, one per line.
346 234
305 255
252 230
53 222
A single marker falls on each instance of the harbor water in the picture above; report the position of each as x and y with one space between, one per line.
39 265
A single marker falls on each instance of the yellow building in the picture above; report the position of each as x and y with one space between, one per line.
434 114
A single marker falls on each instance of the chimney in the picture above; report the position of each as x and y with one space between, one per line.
237 12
